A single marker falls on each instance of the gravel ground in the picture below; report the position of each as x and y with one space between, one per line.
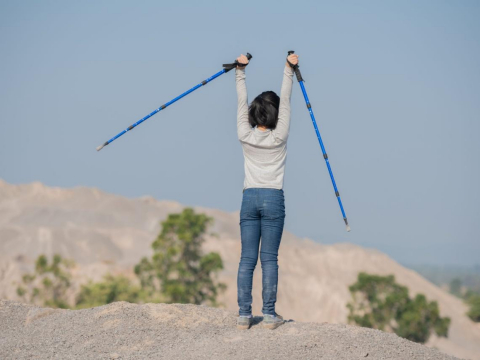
160 331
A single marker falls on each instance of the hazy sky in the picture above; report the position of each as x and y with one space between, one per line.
395 87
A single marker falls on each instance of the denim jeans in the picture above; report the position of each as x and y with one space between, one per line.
262 216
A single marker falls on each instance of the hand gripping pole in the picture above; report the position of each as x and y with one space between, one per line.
325 156
226 68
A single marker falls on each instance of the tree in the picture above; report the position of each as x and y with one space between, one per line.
379 302
178 269
49 283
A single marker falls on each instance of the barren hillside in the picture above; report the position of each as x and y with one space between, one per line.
104 232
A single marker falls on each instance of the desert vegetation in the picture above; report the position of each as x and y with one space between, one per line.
178 272
49 283
378 302
471 296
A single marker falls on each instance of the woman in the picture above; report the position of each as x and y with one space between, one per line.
263 132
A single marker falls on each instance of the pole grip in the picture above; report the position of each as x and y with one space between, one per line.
295 67
233 65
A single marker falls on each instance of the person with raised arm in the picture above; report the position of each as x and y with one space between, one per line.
262 129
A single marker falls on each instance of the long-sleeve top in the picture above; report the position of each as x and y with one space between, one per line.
265 152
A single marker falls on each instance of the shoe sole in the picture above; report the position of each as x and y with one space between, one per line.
244 327
272 326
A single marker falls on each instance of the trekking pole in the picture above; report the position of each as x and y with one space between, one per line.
325 156
226 68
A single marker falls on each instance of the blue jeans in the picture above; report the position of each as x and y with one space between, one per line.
262 216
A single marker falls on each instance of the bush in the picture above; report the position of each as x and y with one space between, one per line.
48 285
378 302
473 300
112 288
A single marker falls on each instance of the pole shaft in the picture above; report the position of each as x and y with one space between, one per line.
325 156
206 81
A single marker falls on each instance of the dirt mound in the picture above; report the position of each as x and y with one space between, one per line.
160 331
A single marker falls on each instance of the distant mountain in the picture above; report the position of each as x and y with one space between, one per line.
443 275
109 233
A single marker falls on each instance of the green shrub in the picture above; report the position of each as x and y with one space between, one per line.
49 283
378 302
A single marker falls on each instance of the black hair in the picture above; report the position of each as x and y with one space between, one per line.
263 110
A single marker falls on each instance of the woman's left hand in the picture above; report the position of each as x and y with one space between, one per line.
293 59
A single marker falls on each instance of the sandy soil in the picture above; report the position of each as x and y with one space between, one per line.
160 331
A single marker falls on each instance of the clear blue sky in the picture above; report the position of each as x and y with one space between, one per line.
395 86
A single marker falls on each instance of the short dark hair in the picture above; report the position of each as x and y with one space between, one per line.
263 110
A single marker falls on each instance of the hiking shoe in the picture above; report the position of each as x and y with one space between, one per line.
272 321
244 322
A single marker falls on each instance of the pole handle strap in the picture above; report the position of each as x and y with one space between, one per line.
233 65
295 67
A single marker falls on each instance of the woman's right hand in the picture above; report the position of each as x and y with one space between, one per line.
242 59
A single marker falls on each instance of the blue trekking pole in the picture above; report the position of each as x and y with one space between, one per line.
226 68
325 156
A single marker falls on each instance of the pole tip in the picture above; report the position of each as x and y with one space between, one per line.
348 228
100 147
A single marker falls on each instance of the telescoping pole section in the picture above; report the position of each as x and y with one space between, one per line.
325 156
226 68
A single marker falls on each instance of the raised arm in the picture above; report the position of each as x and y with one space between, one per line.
283 125
243 126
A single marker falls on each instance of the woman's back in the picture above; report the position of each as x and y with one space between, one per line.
265 151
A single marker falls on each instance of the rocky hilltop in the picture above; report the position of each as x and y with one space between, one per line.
159 331
108 233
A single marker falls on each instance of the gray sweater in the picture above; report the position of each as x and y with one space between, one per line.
265 152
